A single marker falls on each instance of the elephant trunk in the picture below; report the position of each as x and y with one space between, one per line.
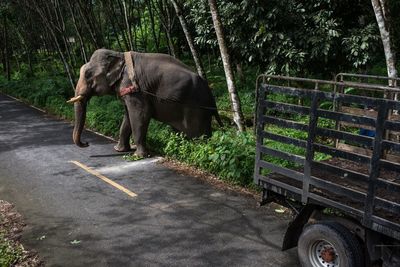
80 117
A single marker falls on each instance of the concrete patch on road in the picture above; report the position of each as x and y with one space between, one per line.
128 167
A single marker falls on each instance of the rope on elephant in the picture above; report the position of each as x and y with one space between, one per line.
185 104
130 64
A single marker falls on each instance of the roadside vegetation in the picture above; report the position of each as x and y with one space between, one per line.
12 253
9 253
314 39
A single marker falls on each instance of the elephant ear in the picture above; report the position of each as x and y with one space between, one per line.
115 70
105 69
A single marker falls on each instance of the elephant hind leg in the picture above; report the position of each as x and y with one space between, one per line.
201 126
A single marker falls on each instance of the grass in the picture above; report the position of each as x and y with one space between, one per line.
9 253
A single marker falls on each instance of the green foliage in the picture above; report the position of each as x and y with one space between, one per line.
48 92
361 45
9 253
227 154
293 37
303 38
105 114
132 157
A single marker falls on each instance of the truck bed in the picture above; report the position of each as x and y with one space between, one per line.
300 121
354 185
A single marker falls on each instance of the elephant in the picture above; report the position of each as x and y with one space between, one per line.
152 86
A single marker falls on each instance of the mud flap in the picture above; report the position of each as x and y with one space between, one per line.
295 227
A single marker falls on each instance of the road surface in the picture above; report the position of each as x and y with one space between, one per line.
89 207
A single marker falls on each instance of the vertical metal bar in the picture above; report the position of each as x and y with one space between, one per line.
337 106
390 95
310 145
256 108
374 168
260 128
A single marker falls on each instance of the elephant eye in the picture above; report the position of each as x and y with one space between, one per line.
89 74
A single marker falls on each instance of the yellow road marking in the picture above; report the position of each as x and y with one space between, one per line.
105 179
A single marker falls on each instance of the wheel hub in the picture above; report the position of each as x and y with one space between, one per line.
328 254
323 254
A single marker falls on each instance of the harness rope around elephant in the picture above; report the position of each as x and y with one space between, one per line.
134 88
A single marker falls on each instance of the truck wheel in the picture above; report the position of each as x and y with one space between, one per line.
329 244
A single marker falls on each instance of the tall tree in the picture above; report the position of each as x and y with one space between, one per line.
156 40
383 20
167 23
189 38
7 53
235 100
128 27
43 10
78 32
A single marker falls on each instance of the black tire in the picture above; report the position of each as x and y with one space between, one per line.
333 238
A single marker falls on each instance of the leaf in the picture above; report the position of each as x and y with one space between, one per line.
348 90
132 157
279 210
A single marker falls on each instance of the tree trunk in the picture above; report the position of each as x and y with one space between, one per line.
78 32
236 107
189 39
6 50
239 72
115 32
171 47
116 26
152 24
382 18
50 27
3 56
165 20
86 18
16 61
128 28
31 73
67 67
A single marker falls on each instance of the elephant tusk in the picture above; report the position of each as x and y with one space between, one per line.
75 99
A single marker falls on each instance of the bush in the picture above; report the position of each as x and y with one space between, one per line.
227 154
104 114
45 92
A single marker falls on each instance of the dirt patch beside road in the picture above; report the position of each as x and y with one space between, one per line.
12 252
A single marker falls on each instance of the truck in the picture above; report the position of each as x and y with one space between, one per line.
329 151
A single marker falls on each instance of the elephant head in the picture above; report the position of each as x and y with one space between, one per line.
97 77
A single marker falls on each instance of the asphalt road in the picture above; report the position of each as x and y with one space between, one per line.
74 218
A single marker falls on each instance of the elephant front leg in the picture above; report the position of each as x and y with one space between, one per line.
139 118
125 132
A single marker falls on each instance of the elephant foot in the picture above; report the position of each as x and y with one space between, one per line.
119 148
142 154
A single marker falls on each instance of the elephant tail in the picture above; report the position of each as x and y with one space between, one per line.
213 104
215 111
218 118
